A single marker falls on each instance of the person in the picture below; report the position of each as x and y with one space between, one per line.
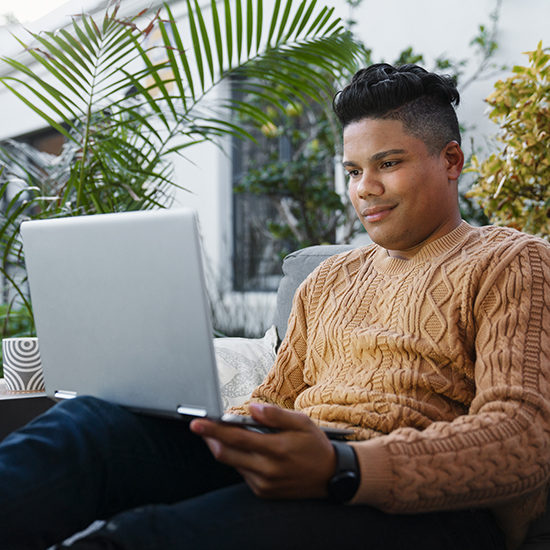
431 344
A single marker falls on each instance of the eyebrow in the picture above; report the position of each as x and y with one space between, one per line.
377 156
384 154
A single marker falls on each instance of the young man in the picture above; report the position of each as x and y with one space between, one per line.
431 344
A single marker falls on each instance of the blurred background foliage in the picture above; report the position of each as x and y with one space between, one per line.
513 184
125 105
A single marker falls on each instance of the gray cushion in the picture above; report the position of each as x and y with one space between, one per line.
296 267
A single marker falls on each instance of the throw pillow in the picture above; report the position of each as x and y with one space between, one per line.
243 364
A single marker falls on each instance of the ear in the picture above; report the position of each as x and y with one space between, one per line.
454 159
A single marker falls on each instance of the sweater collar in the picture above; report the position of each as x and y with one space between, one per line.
386 264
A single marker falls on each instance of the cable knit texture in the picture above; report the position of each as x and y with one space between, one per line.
441 365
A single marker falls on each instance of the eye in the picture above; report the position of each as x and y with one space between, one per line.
353 173
390 163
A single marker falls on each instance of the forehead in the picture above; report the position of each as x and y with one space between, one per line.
371 136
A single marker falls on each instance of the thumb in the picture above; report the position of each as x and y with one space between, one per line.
276 417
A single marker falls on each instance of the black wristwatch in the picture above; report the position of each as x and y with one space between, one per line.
347 477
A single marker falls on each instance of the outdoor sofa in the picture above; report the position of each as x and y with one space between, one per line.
244 362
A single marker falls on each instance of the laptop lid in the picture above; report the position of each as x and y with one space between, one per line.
121 310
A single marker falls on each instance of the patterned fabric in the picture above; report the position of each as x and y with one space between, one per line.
446 355
242 365
22 364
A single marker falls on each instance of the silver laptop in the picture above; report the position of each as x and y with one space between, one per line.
122 314
121 311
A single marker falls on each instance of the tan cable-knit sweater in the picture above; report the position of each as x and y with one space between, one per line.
441 364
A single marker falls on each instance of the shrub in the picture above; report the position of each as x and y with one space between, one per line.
513 184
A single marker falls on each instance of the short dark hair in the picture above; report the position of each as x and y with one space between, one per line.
423 101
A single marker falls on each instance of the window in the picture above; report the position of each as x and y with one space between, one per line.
284 192
257 256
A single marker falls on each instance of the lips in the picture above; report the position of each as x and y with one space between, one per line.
377 213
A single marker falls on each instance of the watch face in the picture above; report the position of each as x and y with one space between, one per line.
345 482
343 486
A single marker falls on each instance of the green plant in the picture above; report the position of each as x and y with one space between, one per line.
15 322
300 183
125 104
513 184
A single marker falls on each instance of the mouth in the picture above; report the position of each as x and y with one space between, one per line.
376 213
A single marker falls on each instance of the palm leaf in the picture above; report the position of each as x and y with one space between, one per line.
228 34
182 55
273 24
120 110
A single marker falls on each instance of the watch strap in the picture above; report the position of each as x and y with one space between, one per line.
347 477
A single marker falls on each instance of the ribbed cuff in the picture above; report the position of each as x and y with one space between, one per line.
376 475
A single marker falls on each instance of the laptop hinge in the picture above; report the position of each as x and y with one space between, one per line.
62 394
191 411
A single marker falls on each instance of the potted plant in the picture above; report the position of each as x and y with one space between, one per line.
120 102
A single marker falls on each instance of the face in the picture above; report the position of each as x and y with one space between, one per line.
404 196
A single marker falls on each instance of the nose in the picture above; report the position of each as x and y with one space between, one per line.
369 185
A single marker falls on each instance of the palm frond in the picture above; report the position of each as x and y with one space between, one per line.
120 101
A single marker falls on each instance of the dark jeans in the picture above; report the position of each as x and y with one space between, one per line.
157 482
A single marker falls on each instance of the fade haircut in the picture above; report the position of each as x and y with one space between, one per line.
424 102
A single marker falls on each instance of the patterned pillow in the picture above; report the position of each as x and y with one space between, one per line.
243 364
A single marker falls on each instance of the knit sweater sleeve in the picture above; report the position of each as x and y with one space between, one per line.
500 450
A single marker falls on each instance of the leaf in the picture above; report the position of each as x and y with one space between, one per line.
40 113
205 39
59 54
239 24
513 184
273 22
183 56
259 24
249 26
217 34
284 20
306 18
196 43
228 33
297 18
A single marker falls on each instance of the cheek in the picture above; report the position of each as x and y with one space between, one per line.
352 190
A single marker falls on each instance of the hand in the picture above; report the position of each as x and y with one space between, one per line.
294 463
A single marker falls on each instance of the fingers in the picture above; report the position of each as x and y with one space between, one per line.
234 446
295 462
229 455
228 434
269 415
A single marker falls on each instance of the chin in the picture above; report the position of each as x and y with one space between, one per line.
391 243
381 238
